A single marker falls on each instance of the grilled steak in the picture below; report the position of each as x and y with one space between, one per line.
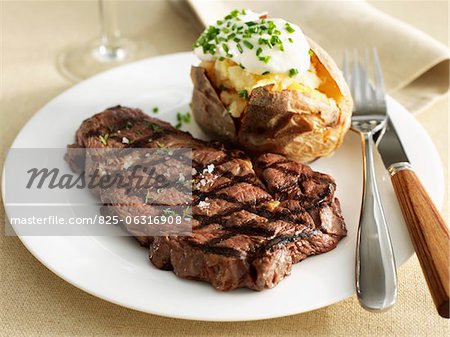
252 217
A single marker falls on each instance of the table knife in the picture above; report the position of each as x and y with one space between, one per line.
428 231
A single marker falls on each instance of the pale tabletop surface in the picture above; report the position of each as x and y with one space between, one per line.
34 301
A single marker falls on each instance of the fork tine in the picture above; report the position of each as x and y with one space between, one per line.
358 68
356 77
379 82
367 87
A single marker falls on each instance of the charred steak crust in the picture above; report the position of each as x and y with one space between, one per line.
252 219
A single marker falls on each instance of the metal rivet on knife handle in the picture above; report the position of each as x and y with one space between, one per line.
394 168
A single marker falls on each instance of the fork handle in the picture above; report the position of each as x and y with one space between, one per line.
429 233
376 277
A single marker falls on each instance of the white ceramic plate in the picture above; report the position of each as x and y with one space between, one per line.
117 269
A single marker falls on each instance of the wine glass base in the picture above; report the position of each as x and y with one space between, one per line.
80 62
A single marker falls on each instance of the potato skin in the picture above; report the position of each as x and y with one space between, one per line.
208 110
287 122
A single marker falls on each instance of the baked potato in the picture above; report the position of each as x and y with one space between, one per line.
302 117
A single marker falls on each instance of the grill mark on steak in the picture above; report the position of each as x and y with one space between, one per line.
93 133
275 164
211 247
234 180
247 228
142 143
262 212
225 159
281 240
261 218
251 208
220 239
278 167
225 251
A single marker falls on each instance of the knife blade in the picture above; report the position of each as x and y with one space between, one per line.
391 148
428 231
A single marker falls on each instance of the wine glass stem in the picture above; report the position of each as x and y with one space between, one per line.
109 48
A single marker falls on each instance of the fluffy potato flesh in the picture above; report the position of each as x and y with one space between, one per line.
303 117
232 79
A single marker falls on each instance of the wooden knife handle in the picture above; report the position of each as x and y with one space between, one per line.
428 231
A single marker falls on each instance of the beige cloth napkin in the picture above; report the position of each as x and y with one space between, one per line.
415 66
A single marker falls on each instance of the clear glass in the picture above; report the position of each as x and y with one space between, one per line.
108 51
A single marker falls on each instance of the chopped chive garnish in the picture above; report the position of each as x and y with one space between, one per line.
239 47
243 93
289 29
129 125
168 212
183 118
155 110
290 40
265 59
293 72
262 41
155 128
253 30
258 51
234 13
231 36
187 117
310 52
275 39
271 25
248 44
104 138
266 73
240 65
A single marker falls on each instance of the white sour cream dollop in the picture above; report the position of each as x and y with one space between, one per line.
259 44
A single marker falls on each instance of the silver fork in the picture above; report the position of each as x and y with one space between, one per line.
376 278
